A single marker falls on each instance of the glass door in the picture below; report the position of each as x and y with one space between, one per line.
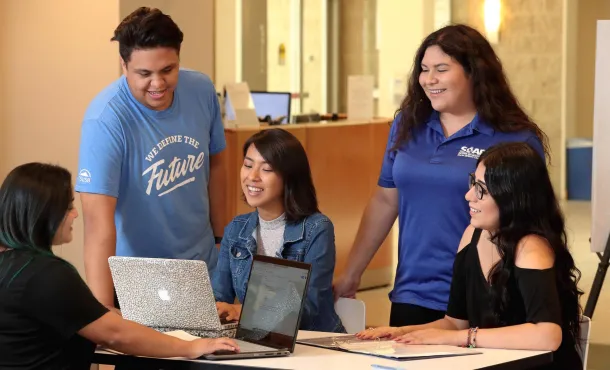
284 50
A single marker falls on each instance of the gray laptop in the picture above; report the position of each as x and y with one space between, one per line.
272 309
167 294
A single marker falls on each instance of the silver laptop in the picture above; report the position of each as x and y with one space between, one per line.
167 294
272 309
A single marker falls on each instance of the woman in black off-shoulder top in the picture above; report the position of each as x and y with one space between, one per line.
514 280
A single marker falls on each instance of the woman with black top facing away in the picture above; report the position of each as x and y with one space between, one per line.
49 319
514 280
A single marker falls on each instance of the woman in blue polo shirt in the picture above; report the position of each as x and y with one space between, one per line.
458 104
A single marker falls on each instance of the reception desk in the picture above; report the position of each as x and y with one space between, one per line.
345 159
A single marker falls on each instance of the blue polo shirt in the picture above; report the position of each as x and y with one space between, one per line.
430 173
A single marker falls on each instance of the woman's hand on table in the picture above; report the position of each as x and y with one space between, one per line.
382 332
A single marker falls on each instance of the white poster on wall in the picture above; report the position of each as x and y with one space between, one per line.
600 196
239 106
360 97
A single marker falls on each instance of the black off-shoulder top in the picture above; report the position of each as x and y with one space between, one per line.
533 299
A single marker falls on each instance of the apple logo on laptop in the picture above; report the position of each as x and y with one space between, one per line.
164 294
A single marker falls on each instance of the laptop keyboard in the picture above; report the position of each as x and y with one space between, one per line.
229 326
252 347
244 347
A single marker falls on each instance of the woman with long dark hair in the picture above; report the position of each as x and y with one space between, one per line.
49 319
458 104
276 181
514 280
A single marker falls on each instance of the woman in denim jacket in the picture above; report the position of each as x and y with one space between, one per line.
276 180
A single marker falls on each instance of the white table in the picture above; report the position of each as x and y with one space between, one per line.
308 357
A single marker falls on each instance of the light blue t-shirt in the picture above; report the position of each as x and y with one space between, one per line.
156 163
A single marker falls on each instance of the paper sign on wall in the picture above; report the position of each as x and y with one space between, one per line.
239 105
360 97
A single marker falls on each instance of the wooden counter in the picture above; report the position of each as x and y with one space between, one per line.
345 159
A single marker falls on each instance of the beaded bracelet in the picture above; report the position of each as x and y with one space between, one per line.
472 337
468 338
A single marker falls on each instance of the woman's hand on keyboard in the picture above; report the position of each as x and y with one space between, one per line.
201 347
229 311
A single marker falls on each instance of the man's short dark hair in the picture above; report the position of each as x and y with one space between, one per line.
147 28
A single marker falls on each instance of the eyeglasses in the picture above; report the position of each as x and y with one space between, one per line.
479 190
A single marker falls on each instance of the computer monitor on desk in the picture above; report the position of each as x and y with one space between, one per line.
266 103
274 104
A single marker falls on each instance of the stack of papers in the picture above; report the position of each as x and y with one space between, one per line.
395 350
387 348
337 341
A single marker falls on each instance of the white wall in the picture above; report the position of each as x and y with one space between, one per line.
50 71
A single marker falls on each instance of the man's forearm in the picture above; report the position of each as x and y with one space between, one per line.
217 194
100 243
98 274
217 215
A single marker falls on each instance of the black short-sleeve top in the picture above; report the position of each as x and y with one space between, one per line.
533 298
43 304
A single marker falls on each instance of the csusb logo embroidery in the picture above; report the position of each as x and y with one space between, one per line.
470 152
84 176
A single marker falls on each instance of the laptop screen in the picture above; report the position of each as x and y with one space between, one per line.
271 311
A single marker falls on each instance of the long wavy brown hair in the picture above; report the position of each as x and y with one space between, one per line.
494 100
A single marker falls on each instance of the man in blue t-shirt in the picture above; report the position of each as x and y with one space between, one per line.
148 163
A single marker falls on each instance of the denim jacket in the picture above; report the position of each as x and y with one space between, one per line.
311 240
